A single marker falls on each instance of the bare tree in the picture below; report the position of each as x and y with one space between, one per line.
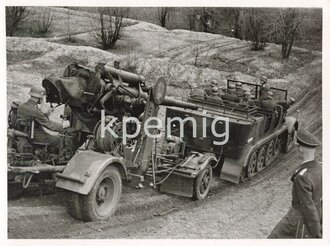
108 27
14 17
45 22
254 25
237 23
285 29
163 15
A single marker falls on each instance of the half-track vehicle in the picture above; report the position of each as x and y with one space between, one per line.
183 164
108 103
256 135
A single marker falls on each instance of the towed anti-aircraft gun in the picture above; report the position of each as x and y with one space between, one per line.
94 176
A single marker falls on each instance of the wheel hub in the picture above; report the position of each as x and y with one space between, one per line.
101 194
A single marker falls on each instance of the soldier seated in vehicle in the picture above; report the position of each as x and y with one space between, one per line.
208 89
267 102
196 92
286 104
264 89
215 96
239 91
30 111
230 95
246 100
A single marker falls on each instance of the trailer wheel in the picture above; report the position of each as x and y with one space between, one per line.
73 205
203 183
102 201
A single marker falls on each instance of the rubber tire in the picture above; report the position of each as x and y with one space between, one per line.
197 194
84 207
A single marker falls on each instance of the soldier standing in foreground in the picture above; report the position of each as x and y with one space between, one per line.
304 219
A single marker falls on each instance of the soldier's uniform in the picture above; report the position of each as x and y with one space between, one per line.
196 92
230 95
208 90
239 91
267 102
215 96
246 100
29 111
304 219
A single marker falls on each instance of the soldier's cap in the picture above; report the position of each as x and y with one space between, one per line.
215 89
214 83
263 78
239 84
37 91
307 139
193 86
247 93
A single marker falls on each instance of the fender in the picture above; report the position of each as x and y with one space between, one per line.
84 168
198 162
291 122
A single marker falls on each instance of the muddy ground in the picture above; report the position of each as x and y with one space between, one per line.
247 210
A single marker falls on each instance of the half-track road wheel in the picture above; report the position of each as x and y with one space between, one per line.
277 146
269 153
251 166
203 183
101 202
290 141
261 158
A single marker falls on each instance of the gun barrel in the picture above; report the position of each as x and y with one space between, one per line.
177 103
130 78
168 101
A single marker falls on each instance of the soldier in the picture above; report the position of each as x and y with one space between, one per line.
208 89
230 95
263 80
304 219
287 104
239 91
264 86
29 111
267 101
215 96
196 92
246 100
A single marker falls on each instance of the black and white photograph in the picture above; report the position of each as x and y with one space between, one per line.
198 121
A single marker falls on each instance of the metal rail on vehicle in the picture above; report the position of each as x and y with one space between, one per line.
257 87
235 112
